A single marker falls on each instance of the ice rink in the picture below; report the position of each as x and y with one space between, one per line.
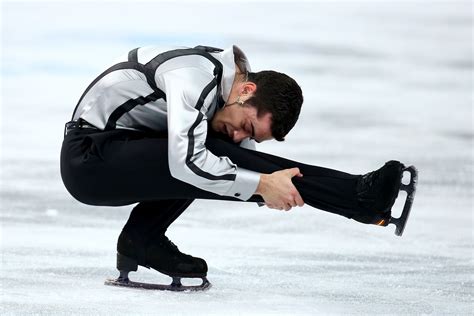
381 80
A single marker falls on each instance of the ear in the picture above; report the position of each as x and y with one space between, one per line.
248 87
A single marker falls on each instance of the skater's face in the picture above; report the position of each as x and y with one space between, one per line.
241 121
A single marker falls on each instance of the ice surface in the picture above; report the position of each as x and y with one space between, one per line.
381 81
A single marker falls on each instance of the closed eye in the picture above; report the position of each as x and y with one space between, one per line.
249 128
253 133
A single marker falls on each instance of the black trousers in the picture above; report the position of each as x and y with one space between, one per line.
122 167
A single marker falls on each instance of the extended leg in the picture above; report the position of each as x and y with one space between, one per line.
123 167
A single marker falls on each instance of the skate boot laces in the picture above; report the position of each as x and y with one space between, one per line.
366 186
167 243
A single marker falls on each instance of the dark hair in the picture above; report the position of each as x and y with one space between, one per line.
279 95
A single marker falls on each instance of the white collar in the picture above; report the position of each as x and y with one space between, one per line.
228 66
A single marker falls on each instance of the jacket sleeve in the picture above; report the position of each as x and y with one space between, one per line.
248 143
189 93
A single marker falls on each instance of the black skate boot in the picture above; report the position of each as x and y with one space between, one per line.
162 255
377 192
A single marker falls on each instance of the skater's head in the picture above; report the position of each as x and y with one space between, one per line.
278 94
263 105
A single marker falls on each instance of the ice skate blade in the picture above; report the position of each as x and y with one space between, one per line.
175 286
410 188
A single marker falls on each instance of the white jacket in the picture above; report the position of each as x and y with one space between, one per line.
179 91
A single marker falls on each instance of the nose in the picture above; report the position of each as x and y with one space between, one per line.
239 135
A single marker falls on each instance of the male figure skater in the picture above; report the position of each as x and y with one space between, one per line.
164 128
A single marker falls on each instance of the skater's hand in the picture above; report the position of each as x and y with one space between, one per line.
278 191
